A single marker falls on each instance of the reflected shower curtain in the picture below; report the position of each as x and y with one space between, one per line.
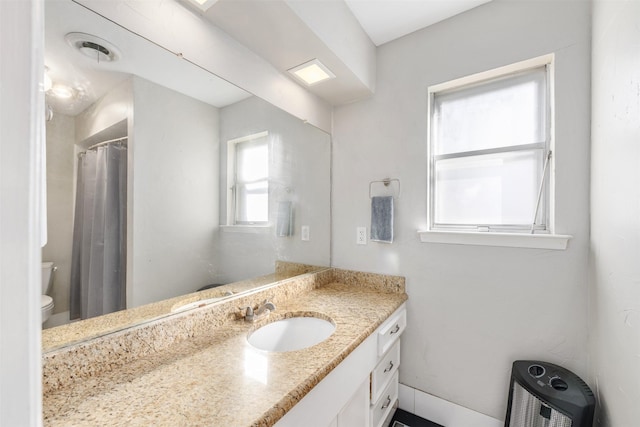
98 263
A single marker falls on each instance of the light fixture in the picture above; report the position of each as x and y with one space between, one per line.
312 72
47 83
203 4
62 91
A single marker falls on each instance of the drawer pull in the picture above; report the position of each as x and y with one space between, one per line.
387 403
395 331
390 367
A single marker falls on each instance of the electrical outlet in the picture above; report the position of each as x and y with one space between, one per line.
305 232
361 236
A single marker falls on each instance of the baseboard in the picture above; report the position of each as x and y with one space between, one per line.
441 411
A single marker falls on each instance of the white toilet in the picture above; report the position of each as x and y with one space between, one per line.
47 280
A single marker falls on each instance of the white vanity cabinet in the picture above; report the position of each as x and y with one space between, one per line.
384 377
356 411
362 390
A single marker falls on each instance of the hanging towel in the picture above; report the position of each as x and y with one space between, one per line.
284 220
382 219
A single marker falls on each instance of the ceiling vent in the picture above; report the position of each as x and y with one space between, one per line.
93 47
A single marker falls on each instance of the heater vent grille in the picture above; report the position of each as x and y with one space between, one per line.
528 410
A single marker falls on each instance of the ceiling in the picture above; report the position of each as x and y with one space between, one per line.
387 20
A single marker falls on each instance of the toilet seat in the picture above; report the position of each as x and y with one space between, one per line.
46 301
47 307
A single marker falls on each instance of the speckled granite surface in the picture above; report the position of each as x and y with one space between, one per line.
79 331
197 368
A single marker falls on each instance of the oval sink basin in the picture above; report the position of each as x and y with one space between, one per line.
293 333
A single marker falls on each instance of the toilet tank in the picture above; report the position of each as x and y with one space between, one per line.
47 276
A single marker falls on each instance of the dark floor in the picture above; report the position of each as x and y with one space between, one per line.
405 419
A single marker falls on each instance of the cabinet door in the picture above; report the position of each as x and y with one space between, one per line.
356 412
381 409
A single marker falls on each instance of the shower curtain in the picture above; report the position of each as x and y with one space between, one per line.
98 263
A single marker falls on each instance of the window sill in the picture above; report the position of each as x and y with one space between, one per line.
249 229
512 240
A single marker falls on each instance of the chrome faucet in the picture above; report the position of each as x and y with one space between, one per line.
263 310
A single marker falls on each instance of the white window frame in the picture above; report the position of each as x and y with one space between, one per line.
232 181
544 237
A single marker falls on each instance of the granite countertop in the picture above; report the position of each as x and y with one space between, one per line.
217 378
74 332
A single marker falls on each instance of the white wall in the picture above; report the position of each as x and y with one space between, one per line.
93 125
21 111
175 153
615 212
299 172
472 310
60 197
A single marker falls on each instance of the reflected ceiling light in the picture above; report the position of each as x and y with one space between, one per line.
203 4
47 80
93 47
312 72
62 91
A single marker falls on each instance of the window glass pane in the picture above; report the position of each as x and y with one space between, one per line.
253 202
252 159
505 112
495 189
251 181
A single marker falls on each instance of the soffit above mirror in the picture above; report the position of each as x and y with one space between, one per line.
183 31
343 35
288 34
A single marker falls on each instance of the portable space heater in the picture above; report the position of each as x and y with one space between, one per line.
546 395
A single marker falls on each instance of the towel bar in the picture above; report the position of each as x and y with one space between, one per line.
387 182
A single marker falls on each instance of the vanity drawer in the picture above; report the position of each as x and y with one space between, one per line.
392 329
385 370
385 403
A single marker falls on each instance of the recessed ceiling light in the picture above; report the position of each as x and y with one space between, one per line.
203 4
312 72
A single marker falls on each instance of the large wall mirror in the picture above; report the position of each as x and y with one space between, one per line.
195 182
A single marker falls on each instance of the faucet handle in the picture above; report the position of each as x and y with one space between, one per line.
268 305
247 313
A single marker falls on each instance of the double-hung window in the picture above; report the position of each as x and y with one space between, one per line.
489 151
490 163
248 177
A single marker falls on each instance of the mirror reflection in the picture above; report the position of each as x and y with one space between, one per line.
163 179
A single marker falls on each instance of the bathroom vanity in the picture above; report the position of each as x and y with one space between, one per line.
198 368
363 389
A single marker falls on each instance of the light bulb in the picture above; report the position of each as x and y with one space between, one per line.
62 91
47 82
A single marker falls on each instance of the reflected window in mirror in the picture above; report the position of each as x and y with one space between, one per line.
249 178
